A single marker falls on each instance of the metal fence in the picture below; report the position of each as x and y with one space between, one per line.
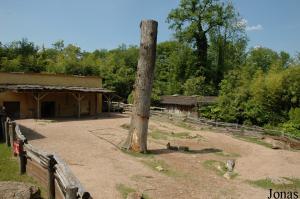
48 169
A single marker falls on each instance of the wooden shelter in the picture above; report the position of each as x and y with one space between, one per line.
185 105
48 95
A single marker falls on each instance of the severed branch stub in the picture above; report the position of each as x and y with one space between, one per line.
137 137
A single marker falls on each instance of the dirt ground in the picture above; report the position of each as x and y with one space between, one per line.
89 146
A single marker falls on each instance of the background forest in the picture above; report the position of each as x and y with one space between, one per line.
207 56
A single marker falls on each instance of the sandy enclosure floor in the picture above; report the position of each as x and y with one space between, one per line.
89 147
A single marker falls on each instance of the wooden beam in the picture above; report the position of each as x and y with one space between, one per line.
38 97
78 98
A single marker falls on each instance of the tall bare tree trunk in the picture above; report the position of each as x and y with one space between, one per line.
137 138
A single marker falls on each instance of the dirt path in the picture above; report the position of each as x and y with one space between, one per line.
88 146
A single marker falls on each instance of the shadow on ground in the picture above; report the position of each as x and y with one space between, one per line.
30 134
87 118
200 151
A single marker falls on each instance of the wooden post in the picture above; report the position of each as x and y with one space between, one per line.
96 104
137 138
7 133
78 98
51 183
2 136
22 157
38 97
11 128
71 192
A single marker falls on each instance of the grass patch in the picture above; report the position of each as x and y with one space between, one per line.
125 126
254 140
125 190
185 126
218 167
9 169
225 154
167 170
294 184
181 135
164 135
159 135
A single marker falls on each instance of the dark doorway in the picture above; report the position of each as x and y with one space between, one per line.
12 109
48 109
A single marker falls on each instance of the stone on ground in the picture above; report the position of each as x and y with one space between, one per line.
230 165
18 190
134 195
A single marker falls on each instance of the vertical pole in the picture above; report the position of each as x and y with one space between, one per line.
22 157
96 104
7 133
12 126
79 108
137 138
108 104
71 192
51 183
2 136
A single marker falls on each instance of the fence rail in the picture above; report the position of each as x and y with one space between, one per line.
225 125
48 169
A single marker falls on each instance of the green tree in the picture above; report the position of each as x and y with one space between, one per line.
192 21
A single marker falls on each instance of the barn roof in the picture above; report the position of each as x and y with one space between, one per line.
179 100
187 100
34 88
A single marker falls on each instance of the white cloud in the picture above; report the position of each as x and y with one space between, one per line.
257 46
254 28
243 23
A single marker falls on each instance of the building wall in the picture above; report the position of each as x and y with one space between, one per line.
50 80
181 110
65 103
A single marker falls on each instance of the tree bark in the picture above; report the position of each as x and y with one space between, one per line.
202 48
137 137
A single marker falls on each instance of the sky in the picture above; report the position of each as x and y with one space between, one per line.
106 24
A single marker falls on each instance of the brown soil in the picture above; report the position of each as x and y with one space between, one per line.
89 146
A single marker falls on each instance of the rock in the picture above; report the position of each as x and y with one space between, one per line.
277 145
135 195
230 165
279 180
159 168
227 175
18 190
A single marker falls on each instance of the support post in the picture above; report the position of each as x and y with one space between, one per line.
22 157
38 97
2 135
7 133
12 126
137 138
78 98
51 183
71 192
96 104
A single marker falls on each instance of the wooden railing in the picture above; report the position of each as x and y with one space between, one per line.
229 127
49 170
232 127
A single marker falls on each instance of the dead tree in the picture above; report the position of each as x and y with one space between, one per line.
137 137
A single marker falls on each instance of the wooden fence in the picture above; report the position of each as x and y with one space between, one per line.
48 169
223 126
